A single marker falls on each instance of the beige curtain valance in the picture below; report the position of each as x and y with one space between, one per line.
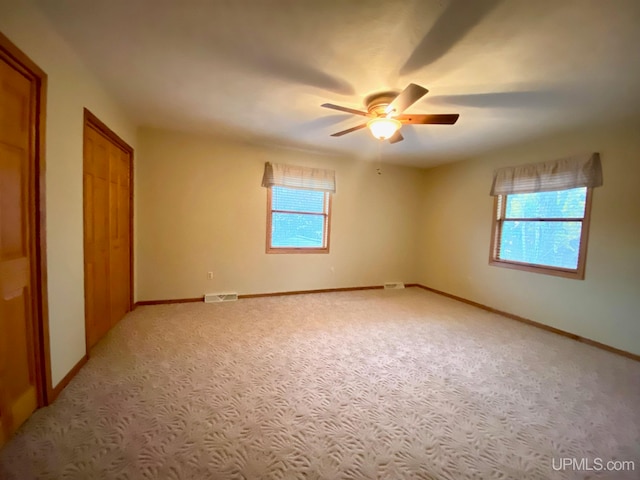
293 176
572 172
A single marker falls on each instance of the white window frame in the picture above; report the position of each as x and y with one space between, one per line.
326 229
499 209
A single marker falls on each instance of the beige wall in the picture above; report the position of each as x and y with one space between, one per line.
71 88
200 208
456 226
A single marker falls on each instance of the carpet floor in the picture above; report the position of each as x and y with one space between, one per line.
356 385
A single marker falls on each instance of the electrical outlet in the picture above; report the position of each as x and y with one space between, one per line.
210 275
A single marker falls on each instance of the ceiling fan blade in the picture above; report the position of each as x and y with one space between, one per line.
396 137
344 109
434 119
348 130
406 98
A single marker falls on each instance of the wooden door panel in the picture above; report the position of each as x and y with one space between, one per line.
119 296
96 159
88 214
14 276
13 202
18 390
15 106
99 288
99 200
113 213
20 373
89 305
24 405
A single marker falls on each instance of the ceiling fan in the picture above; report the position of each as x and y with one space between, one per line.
385 111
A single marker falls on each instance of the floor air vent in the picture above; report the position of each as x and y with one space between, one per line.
220 297
393 286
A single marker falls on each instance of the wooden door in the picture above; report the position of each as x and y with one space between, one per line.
107 230
18 357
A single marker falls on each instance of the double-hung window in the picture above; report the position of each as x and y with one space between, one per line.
298 220
298 208
541 216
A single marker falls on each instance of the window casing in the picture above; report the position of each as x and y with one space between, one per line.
298 221
543 232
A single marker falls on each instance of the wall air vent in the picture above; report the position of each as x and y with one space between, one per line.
393 286
220 297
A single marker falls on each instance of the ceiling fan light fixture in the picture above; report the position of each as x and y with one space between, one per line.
383 128
385 109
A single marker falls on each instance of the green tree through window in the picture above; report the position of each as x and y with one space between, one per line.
544 229
298 220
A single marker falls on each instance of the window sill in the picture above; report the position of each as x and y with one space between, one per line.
577 274
296 250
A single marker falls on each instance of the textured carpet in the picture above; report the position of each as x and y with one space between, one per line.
362 385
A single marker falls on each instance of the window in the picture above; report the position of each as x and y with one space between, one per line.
298 220
298 208
543 232
541 215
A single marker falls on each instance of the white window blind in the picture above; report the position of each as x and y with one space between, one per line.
563 174
293 176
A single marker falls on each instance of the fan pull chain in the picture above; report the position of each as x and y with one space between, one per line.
379 167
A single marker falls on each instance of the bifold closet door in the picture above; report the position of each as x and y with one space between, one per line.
107 237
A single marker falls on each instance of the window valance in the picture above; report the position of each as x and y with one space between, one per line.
572 172
293 176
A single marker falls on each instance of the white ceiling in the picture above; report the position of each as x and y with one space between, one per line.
259 69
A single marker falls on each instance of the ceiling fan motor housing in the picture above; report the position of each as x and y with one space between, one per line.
378 102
